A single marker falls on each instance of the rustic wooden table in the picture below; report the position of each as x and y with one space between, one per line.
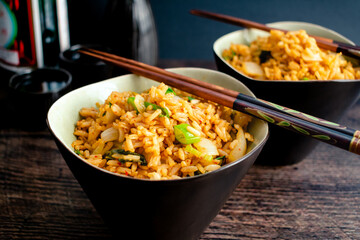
318 198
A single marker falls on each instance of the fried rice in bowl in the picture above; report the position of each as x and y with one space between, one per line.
289 69
154 157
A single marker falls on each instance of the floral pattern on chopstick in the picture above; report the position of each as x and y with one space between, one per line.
304 115
291 126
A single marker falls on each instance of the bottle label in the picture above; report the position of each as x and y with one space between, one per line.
17 43
10 57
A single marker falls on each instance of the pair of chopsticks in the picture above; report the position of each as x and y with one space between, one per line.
325 43
331 133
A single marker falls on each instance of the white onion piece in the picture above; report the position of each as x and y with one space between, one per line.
109 117
139 102
240 148
206 146
253 69
310 56
177 98
110 134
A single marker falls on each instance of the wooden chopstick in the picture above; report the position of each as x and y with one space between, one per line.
232 93
325 43
331 136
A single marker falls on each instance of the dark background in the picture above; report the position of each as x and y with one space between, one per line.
184 36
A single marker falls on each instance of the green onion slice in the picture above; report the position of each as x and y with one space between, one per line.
165 111
169 90
132 103
109 156
184 136
199 154
190 98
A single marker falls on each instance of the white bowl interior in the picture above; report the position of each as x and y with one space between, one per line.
246 36
64 113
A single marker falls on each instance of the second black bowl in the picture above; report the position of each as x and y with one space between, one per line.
324 99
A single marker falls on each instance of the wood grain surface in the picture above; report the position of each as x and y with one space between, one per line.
318 198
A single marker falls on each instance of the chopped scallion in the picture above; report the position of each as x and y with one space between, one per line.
190 98
165 111
109 156
132 103
169 90
199 154
183 135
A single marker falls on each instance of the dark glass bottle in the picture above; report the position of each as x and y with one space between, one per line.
128 29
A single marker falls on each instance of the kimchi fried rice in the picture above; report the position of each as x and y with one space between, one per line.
289 56
162 133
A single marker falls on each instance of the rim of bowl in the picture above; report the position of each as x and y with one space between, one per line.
20 74
248 154
274 24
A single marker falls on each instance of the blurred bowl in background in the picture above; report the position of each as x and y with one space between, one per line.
325 99
31 94
149 209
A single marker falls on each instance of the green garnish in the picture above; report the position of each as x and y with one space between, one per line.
77 151
132 103
305 78
165 112
109 156
190 98
199 154
110 104
222 160
169 90
183 135
233 53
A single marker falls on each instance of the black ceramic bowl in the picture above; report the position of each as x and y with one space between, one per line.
149 209
32 93
325 99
